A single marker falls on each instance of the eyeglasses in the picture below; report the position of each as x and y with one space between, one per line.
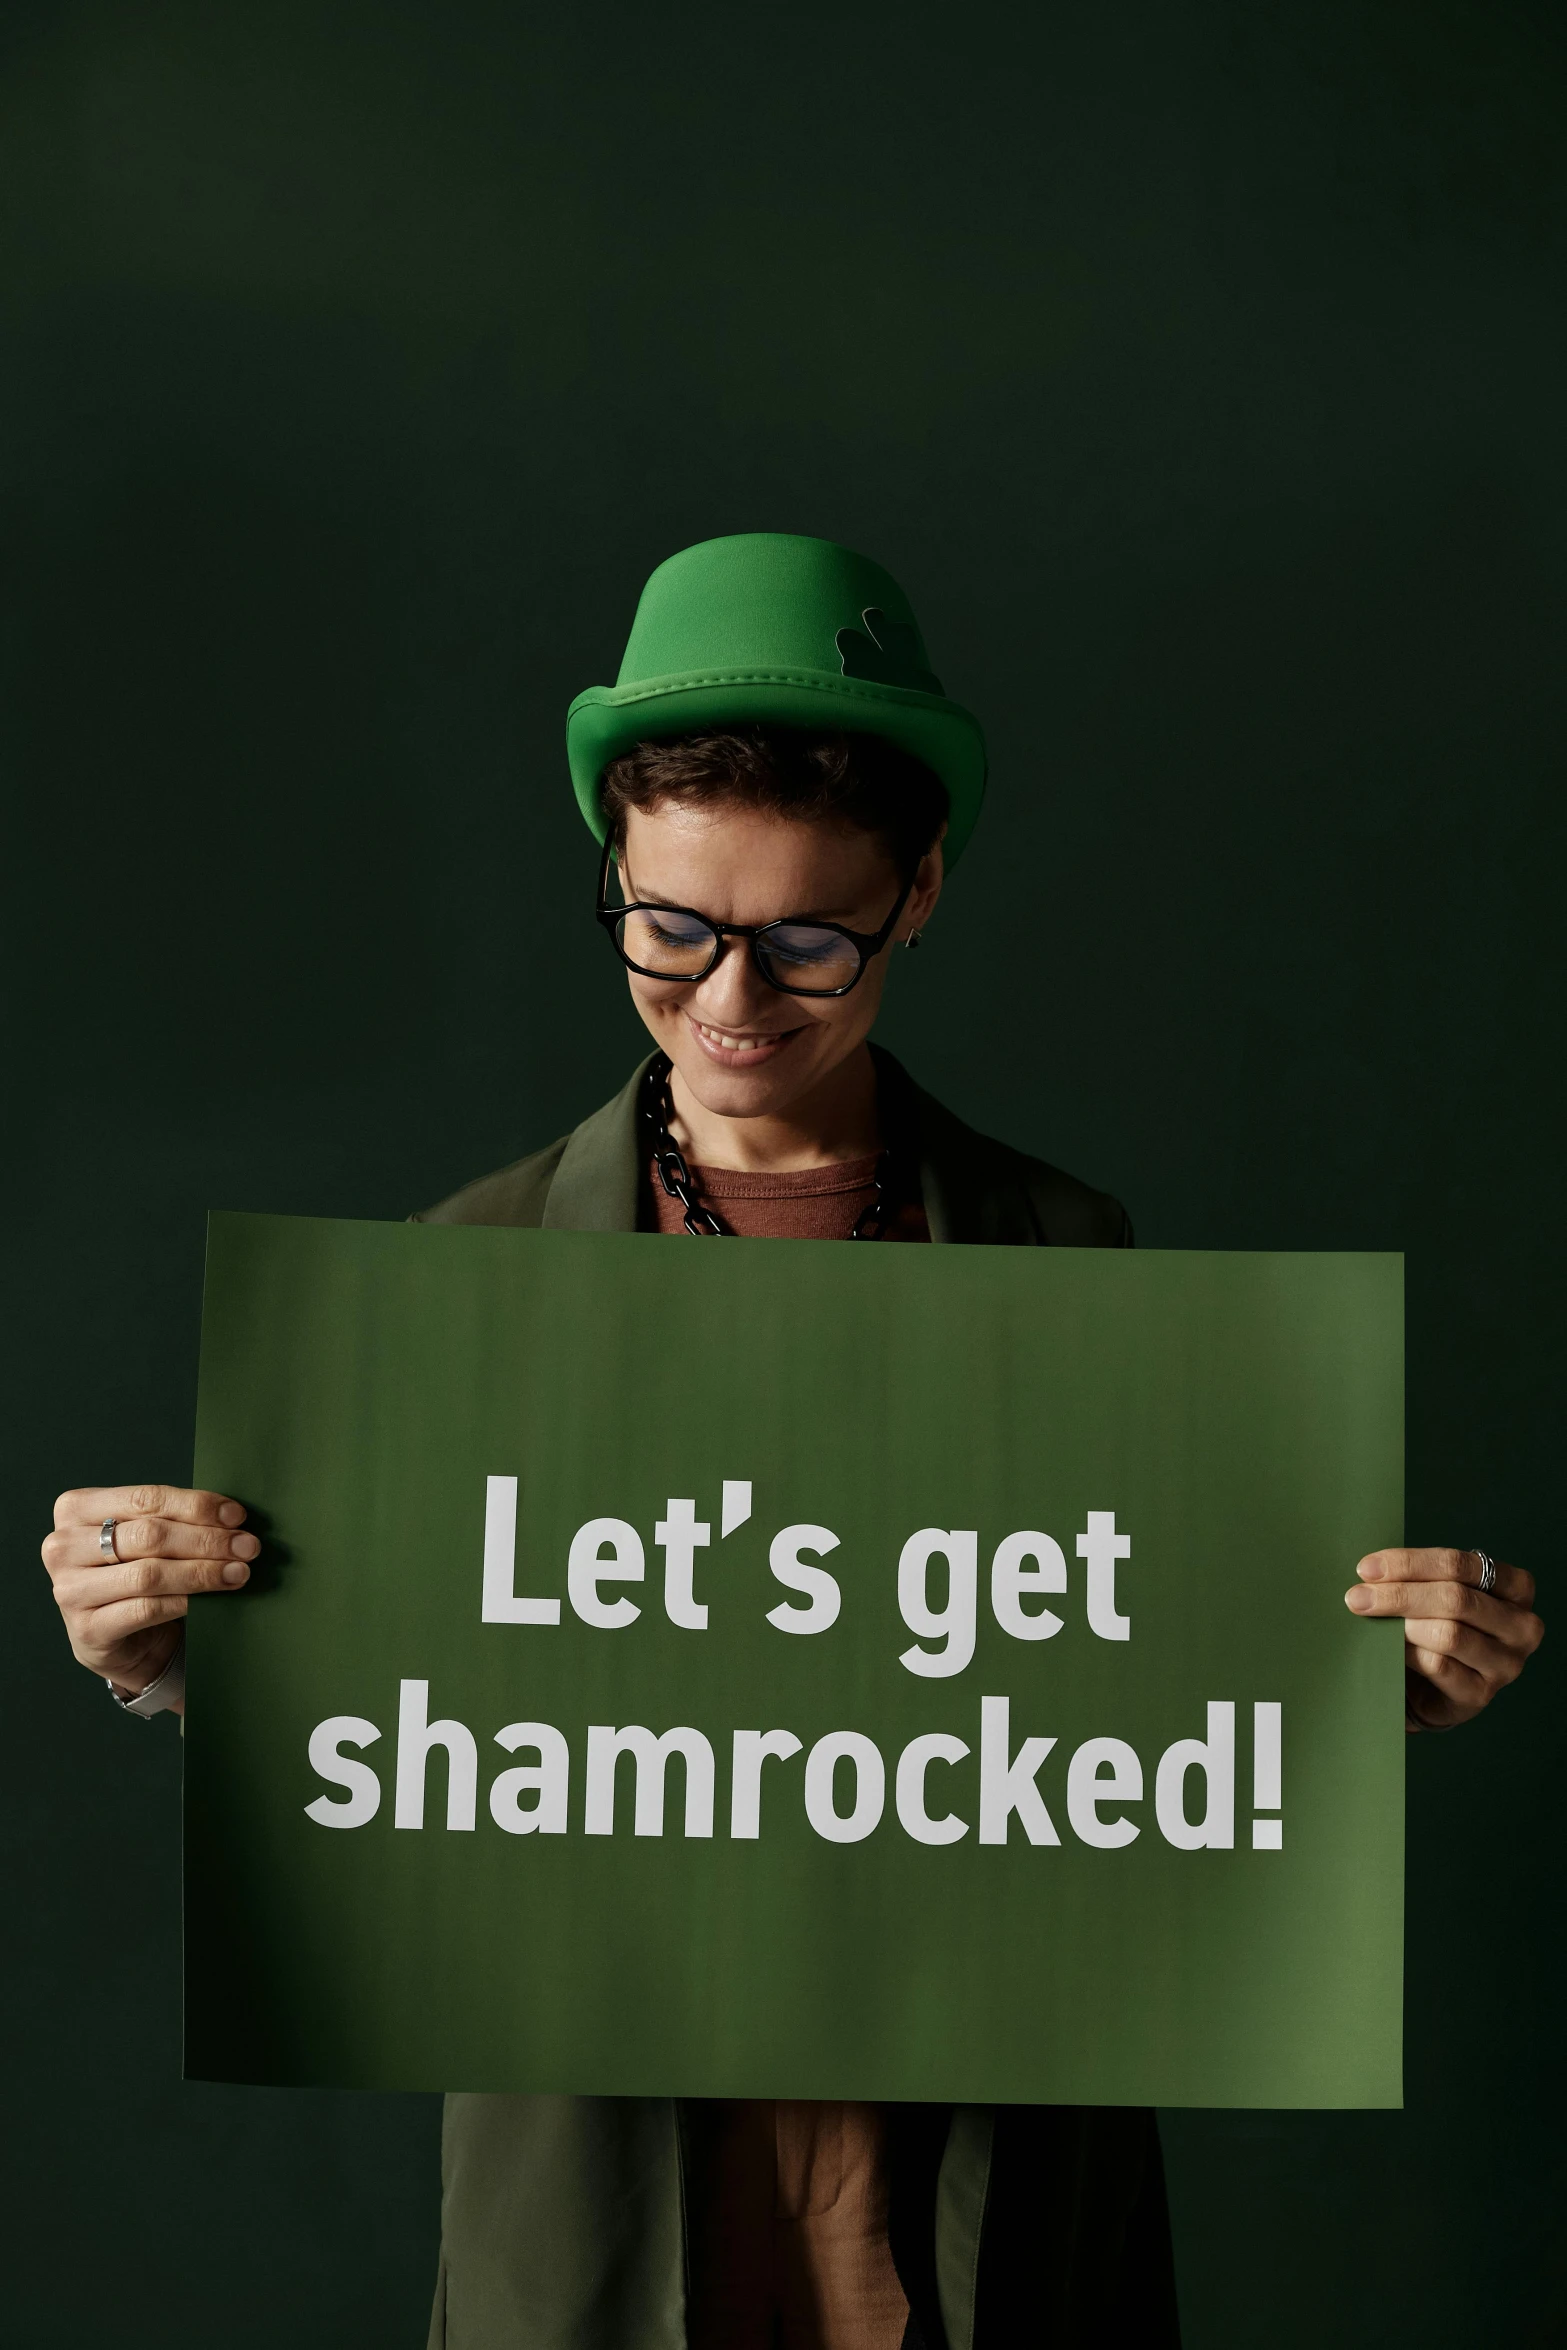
797 958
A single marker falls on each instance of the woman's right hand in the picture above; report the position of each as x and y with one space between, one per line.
123 1615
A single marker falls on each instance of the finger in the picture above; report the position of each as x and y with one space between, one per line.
1440 1691
84 1591
139 1538
109 1627
1445 1566
1451 1675
1460 1644
89 1505
1514 1626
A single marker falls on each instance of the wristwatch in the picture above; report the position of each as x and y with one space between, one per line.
159 1695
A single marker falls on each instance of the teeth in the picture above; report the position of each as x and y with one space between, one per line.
731 1044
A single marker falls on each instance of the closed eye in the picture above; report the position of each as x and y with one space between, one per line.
805 947
676 930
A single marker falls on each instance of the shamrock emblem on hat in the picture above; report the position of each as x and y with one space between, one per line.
889 652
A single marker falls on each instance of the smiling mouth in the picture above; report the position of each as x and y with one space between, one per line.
727 1046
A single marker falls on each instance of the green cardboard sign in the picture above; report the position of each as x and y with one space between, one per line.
781 1669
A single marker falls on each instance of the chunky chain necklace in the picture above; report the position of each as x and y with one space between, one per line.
669 1163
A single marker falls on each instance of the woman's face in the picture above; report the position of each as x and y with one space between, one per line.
744 1049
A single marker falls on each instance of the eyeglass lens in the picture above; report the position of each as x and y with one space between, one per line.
670 945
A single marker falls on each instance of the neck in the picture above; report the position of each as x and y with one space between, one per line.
835 1120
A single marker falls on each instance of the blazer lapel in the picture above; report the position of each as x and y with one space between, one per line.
967 1194
597 1184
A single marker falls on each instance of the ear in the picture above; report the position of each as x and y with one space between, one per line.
927 889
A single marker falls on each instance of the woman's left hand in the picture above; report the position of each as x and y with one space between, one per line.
1461 1644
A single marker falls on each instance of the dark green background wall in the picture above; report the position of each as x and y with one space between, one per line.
1200 370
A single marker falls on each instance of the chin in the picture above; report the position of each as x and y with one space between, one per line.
740 1093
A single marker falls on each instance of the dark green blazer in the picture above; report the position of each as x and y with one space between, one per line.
564 2218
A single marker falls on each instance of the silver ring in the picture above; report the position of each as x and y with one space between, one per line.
1487 1570
106 1540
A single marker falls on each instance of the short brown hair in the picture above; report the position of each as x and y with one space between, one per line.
858 781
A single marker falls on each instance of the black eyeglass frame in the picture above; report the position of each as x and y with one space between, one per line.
867 944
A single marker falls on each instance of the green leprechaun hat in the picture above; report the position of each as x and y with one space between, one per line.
768 629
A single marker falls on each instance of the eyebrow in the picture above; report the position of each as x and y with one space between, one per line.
795 914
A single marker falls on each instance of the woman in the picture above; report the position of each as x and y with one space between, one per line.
779 785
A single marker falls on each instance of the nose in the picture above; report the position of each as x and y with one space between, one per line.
734 991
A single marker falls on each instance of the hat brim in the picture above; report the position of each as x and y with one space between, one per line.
608 720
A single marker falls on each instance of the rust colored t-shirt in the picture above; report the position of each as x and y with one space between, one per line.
789 2243
789 2240
821 1203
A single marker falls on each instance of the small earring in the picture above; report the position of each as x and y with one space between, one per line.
912 941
